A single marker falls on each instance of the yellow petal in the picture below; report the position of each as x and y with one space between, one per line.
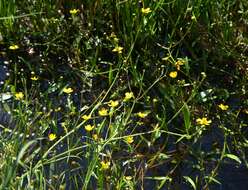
173 74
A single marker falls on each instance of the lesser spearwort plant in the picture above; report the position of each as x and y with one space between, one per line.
122 95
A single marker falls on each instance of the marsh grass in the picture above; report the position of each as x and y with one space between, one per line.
147 77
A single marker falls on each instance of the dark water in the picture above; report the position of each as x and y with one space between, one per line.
3 73
233 177
230 176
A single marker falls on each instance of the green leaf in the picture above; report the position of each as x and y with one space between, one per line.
192 183
210 178
186 117
233 157
23 150
110 76
5 96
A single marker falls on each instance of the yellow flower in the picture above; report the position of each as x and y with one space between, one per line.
179 63
86 117
34 78
129 139
173 74
113 103
118 49
128 178
154 100
89 127
19 96
57 109
103 112
14 47
203 121
140 123
105 165
52 137
128 96
67 90
142 114
95 137
146 10
74 11
223 107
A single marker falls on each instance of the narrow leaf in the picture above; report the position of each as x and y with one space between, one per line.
233 157
192 183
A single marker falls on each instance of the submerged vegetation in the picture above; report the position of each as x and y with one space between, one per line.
122 94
